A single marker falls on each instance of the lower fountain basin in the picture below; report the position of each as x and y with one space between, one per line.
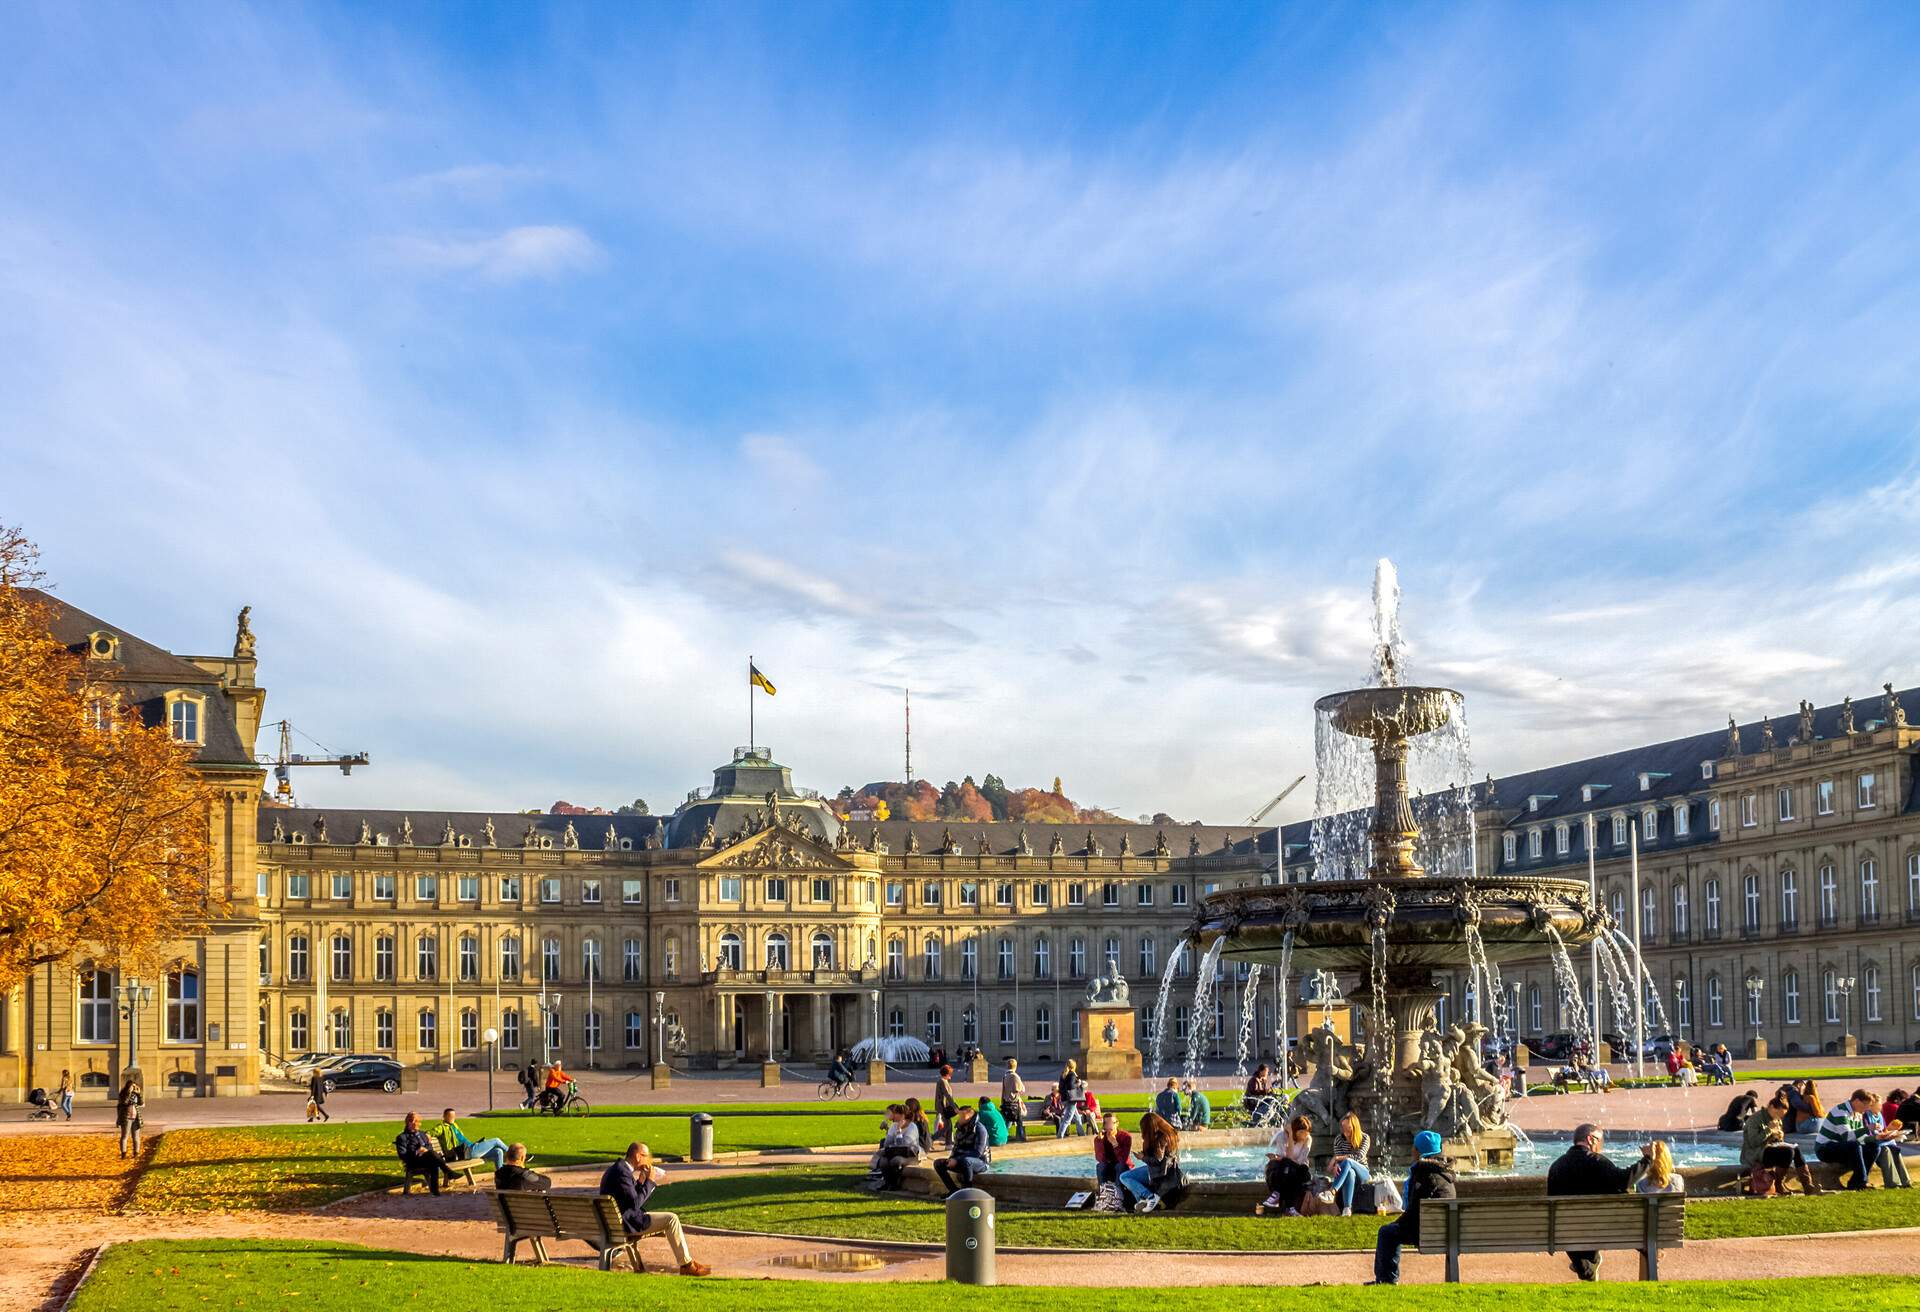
1426 920
1387 713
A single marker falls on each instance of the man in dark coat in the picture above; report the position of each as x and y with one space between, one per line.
630 1182
515 1174
1582 1169
1429 1177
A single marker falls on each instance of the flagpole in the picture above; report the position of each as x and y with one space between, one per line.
749 701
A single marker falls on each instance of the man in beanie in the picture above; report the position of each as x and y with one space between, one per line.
1429 1177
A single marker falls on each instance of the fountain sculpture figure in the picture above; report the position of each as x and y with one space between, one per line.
1393 928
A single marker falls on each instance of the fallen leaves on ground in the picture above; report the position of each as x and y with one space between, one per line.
199 1170
51 1172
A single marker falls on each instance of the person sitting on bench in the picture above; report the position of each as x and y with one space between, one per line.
419 1154
515 1174
454 1144
630 1182
1584 1169
1429 1177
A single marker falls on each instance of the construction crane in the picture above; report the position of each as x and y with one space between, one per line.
1285 793
286 759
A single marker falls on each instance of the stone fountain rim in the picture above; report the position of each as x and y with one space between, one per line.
1334 699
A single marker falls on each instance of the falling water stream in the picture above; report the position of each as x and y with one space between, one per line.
1572 996
1280 1009
1200 1015
1249 1013
1158 1037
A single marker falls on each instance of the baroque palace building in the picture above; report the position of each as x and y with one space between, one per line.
752 922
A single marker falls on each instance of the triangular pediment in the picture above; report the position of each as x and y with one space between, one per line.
776 848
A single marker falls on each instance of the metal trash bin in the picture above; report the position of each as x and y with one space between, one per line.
700 1137
970 1249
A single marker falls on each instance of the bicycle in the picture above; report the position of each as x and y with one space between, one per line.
570 1105
828 1090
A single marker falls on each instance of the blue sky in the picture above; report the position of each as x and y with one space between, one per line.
525 368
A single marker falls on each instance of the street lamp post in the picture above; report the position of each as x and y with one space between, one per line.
660 1028
768 998
492 1037
135 995
1682 1020
1755 987
549 1018
1844 985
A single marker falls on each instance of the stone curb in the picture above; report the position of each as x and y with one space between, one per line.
86 1272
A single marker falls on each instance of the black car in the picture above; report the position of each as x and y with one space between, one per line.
380 1073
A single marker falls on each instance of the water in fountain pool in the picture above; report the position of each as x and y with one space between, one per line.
1530 1158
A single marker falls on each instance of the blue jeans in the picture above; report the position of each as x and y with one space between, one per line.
1386 1250
492 1149
1857 1156
1074 1120
1350 1177
66 1104
1135 1182
1106 1173
966 1168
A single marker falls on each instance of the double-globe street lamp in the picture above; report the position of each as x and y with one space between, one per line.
134 995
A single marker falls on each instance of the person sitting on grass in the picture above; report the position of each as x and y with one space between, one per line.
1767 1155
1158 1176
1845 1141
1166 1104
630 1182
1348 1168
455 1145
1199 1110
418 1153
514 1174
1112 1151
1429 1177
1289 1167
968 1152
1584 1169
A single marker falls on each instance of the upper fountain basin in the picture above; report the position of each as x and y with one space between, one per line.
1425 920
1387 713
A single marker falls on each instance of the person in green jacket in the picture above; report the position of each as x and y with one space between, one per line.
1199 1109
455 1146
993 1122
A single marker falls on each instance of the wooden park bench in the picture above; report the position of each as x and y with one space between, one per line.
530 1218
1645 1223
462 1167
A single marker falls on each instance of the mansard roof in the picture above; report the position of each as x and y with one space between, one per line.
385 827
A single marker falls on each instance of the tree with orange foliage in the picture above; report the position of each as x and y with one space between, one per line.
104 821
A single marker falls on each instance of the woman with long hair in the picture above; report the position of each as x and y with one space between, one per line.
1348 1169
918 1120
1289 1167
1158 1175
1658 1175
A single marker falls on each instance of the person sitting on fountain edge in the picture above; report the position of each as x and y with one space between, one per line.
1199 1110
1845 1141
995 1123
1166 1103
968 1152
1112 1151
1429 1177
1583 1169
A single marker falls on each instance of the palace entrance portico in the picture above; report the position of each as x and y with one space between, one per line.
810 1021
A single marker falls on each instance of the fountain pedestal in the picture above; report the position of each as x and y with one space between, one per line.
1108 1050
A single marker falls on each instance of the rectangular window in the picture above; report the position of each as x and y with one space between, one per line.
896 893
775 888
1749 812
590 892
341 887
467 888
186 721
672 890
383 1029
429 1029
1864 791
1783 799
550 891
821 892
1143 895
1178 895
426 888
299 886
262 885
729 888
509 888
930 894
1042 895
1110 895
1823 797
1003 895
630 893
1076 895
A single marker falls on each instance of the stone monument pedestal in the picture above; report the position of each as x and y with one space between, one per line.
769 1074
977 1070
662 1075
1756 1049
876 1072
1849 1046
1109 1051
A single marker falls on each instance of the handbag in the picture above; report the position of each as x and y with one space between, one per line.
1386 1197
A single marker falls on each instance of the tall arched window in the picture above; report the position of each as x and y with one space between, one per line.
1005 948
550 958
896 1022
1716 1002
670 957
970 959
469 950
297 960
590 1030
1913 883
1076 958
510 957
383 1029
970 1019
933 1025
1869 889
298 1039
1007 1030
1680 918
1534 1017
510 1029
1750 899
342 959
1790 998
590 959
183 1005
930 957
1712 891
1149 957
1682 1003
1829 895
1789 897
1830 994
426 957
1042 957
1043 1024
469 1029
1649 912
630 972
730 951
342 1021
778 957
429 1030
896 958
822 950
1870 991
636 1031
95 1003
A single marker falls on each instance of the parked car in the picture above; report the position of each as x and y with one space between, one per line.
1658 1047
382 1073
1552 1047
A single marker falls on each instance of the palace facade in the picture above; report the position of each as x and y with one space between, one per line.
753 924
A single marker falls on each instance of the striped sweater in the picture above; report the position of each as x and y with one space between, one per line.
1842 1125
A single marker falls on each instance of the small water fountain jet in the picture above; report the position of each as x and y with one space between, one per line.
1375 909
1249 1016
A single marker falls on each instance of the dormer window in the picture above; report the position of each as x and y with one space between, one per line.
1682 819
1534 801
1533 843
1648 778
1560 838
1533 804
1645 780
1586 792
1510 847
1706 769
184 717
1619 828
103 646
1649 824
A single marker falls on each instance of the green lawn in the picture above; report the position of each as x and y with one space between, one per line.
249 1275
821 1201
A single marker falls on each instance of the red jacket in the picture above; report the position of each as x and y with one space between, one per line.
1119 1153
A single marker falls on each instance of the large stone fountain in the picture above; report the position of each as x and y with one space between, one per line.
1394 928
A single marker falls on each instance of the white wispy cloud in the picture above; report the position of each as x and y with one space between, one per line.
544 250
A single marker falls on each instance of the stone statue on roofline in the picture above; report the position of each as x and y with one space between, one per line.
1896 713
1733 736
487 830
406 831
1806 722
1846 716
243 639
1766 735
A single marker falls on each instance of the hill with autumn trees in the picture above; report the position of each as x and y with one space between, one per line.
990 799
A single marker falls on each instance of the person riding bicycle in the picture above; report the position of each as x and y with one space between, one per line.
840 1073
559 1085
